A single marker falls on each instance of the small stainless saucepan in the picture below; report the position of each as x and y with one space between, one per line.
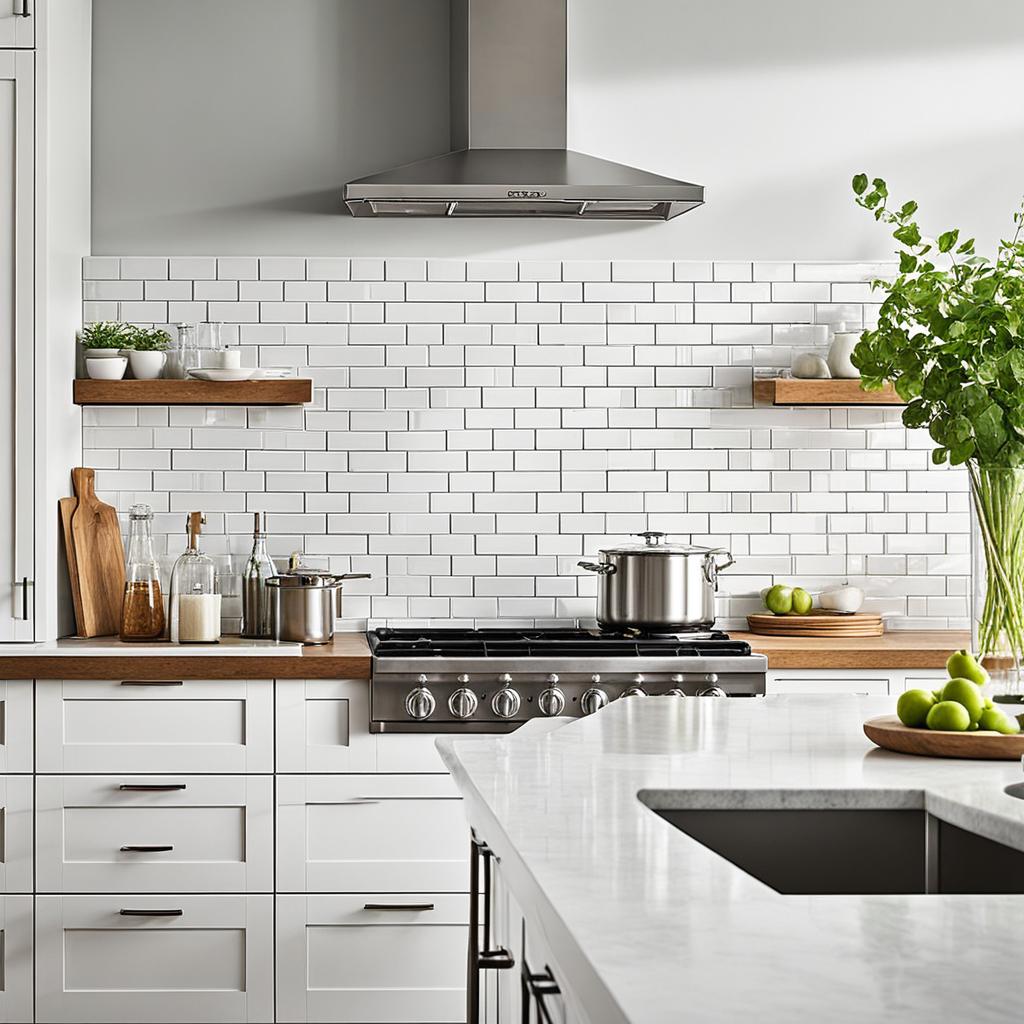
657 586
305 602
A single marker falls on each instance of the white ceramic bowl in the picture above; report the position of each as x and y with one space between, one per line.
106 368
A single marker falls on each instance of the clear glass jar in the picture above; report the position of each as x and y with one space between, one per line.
195 598
997 577
142 609
182 355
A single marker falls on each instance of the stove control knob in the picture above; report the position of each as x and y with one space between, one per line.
505 703
504 679
551 701
593 700
463 703
675 692
553 679
420 704
712 691
634 690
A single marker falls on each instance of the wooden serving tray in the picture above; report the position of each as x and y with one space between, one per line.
819 623
890 733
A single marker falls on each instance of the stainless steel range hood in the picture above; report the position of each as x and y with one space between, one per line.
508 135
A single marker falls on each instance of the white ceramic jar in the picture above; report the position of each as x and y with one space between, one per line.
839 361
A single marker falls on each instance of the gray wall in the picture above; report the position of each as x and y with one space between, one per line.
228 126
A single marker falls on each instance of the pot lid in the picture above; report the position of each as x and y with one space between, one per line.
655 543
299 575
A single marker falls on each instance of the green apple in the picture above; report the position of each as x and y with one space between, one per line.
964 692
913 707
779 599
802 601
963 665
948 716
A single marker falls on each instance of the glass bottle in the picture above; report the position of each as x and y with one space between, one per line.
181 357
255 597
195 600
142 610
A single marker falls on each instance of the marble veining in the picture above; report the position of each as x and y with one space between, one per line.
647 925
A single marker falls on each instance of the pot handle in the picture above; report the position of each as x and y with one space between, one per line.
601 568
713 568
352 576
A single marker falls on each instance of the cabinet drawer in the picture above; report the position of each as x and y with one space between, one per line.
15 725
323 725
815 683
337 961
15 834
408 752
198 726
213 961
370 833
16 959
219 830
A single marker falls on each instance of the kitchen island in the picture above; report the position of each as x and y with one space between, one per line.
639 922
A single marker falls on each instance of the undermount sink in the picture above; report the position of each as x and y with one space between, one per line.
1015 789
853 851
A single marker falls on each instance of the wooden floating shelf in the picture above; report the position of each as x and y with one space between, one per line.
290 391
794 391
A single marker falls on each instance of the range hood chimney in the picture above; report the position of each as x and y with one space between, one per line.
508 135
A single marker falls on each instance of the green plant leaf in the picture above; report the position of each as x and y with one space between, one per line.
908 262
860 184
947 240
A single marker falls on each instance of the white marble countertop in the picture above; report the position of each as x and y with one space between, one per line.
647 925
106 646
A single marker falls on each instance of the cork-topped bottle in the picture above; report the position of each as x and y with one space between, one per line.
195 599
142 610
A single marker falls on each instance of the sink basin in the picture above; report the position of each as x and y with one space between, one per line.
1015 789
856 851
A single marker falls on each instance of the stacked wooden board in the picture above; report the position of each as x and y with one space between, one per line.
818 623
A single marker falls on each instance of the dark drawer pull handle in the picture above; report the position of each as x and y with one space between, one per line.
24 12
152 682
146 849
499 959
150 787
398 906
151 913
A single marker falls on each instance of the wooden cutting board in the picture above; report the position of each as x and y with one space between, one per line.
98 556
66 507
819 623
889 732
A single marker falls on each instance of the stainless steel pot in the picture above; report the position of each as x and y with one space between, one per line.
305 602
657 586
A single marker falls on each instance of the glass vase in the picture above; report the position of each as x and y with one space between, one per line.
997 576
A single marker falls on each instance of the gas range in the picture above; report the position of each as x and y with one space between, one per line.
493 680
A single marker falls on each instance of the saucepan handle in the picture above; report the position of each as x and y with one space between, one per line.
601 568
353 576
712 567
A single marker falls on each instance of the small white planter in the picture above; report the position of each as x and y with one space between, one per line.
103 353
106 368
147 365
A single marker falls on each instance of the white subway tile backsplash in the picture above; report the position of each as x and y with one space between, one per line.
479 426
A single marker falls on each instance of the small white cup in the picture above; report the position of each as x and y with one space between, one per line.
230 359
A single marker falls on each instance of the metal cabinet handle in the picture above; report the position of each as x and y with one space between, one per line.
150 913
536 988
24 12
25 583
601 568
497 959
146 849
152 682
151 787
418 907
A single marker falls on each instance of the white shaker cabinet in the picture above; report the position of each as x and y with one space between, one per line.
871 683
152 958
16 725
323 725
15 959
17 23
17 331
15 834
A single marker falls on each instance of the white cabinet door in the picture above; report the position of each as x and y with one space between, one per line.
154 958
200 726
323 725
16 725
15 834
145 833
341 962
408 752
17 23
17 338
828 681
16 959
370 833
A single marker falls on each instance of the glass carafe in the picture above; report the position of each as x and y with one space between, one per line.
255 596
142 609
195 599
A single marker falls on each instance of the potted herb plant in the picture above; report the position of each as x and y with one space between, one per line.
105 339
147 351
950 339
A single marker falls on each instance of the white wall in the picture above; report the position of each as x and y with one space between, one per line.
228 126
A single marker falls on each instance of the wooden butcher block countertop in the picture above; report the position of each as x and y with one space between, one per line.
346 657
910 648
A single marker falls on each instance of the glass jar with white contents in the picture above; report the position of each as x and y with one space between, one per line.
195 597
